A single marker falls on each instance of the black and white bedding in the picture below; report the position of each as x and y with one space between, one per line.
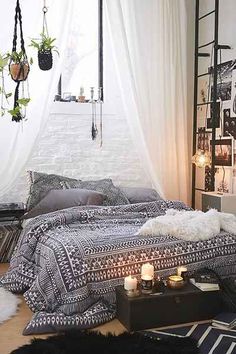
69 262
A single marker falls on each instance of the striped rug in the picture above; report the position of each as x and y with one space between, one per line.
211 340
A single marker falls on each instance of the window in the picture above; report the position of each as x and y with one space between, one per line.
83 66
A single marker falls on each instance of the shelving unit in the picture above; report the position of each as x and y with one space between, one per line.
212 71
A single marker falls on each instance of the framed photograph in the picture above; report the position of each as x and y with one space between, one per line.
224 80
223 180
229 128
224 152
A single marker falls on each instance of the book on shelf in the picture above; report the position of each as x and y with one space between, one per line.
226 320
205 286
206 278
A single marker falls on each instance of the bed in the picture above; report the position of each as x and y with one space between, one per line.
68 262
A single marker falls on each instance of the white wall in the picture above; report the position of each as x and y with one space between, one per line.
66 148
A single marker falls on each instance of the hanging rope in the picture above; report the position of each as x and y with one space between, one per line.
18 65
45 25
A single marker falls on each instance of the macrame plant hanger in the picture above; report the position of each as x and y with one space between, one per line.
18 66
45 60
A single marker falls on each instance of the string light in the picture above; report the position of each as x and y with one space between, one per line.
202 158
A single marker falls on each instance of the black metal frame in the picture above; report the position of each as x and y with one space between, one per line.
214 96
100 52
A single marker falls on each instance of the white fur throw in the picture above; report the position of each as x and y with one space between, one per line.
189 225
8 304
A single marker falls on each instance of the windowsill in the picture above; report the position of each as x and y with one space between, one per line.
78 108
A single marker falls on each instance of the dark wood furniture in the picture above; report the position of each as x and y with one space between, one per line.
11 211
10 228
172 307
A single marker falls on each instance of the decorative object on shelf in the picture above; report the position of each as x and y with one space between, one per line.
159 285
94 130
130 285
175 282
19 68
81 97
147 278
182 271
67 96
44 44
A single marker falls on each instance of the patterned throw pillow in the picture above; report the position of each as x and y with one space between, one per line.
114 196
41 184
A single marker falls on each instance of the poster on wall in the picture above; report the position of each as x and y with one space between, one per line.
225 120
224 80
224 152
223 180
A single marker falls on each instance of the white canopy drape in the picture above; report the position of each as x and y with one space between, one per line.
17 139
149 42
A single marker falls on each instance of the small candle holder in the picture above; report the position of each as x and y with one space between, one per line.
159 285
132 293
175 282
146 284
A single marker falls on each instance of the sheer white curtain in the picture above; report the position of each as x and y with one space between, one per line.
149 42
17 139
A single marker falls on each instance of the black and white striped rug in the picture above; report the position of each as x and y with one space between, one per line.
211 340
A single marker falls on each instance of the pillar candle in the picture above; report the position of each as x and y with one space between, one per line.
130 283
147 269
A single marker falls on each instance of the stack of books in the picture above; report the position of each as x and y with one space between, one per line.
225 320
205 282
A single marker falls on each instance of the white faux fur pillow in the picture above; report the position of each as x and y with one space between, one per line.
189 225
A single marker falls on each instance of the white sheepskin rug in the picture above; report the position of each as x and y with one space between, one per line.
8 304
189 225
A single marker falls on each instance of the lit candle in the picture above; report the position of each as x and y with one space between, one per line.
130 283
147 269
175 278
181 269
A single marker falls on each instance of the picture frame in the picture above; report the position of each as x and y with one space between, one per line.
224 152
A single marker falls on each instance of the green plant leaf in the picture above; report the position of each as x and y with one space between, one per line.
14 112
23 101
7 95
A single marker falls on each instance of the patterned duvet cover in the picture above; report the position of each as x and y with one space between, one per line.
69 262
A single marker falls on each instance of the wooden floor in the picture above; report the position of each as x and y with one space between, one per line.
11 331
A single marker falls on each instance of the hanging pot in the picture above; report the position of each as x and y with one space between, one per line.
19 72
45 59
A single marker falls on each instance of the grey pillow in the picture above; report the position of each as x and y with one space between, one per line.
114 196
65 198
140 194
41 184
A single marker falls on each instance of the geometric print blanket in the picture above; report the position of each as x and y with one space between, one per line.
211 340
68 263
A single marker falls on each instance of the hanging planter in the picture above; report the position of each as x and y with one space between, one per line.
45 59
44 45
19 68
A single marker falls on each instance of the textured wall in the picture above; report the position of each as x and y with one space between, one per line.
66 148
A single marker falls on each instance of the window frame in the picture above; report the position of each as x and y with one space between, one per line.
100 54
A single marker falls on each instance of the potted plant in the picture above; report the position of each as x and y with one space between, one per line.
19 66
21 103
45 46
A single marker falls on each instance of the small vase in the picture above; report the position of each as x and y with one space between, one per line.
45 59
